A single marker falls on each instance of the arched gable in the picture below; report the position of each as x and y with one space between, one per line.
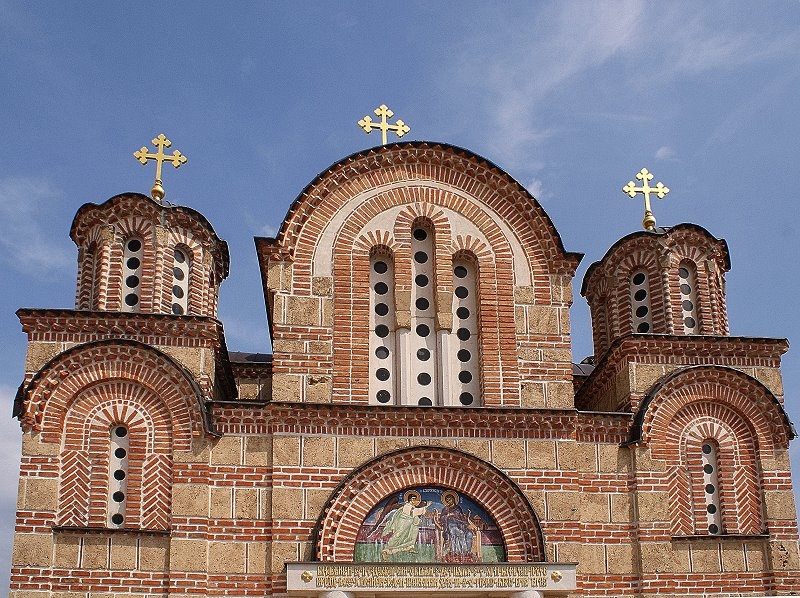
133 365
740 393
405 173
339 523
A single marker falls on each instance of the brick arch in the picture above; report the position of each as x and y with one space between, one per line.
740 394
436 172
347 509
351 286
51 393
84 458
739 479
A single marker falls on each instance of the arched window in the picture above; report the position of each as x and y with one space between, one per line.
132 274
465 376
423 383
118 476
687 279
181 266
382 349
641 310
709 461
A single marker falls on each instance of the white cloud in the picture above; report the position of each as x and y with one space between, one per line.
268 230
665 152
27 246
535 188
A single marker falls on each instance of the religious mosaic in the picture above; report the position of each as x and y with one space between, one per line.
429 525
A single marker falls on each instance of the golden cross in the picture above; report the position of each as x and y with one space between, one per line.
644 175
400 127
160 157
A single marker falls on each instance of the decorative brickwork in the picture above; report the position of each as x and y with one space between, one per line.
362 490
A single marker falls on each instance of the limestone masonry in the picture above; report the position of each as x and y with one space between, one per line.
420 425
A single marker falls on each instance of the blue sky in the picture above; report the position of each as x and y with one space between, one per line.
570 98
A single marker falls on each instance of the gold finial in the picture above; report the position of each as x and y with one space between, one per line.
644 175
160 157
400 127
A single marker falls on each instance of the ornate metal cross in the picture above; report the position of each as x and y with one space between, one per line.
400 128
160 157
644 175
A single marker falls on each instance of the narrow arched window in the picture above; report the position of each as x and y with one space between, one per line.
181 266
465 373
382 346
641 309
132 274
687 279
709 461
422 344
118 476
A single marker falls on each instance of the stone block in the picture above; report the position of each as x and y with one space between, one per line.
32 550
246 503
199 452
318 451
663 557
265 502
621 508
39 353
541 454
302 311
279 276
354 450
227 451
592 559
41 494
318 389
557 355
287 503
123 552
527 353
67 551
563 321
706 558
652 505
95 553
576 456
258 451
532 394
327 312
289 346
282 553
779 504
475 446
315 501
520 323
387 445
188 555
524 295
613 458
256 558
543 320
508 454
732 557
191 358
536 500
34 447
771 378
221 502
645 462
645 376
756 560
154 553
322 286
287 387
320 347
190 500
620 559
595 506
560 395
778 461
227 557
285 450
563 506
783 555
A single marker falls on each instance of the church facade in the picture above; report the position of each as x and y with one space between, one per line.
420 426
